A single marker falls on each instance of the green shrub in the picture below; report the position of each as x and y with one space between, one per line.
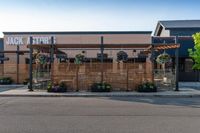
147 87
49 87
5 80
25 82
62 87
101 87
57 87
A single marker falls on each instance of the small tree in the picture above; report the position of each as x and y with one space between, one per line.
195 52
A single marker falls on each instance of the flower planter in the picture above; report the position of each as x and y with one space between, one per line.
101 87
147 87
5 81
61 88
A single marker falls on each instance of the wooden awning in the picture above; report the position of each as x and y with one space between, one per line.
165 46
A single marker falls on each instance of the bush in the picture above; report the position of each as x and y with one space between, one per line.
57 87
25 82
101 87
49 87
147 87
5 81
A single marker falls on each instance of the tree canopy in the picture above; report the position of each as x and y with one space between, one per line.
195 52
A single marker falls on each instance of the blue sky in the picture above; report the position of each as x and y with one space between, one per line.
92 15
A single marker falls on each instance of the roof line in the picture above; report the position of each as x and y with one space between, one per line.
81 32
181 28
158 26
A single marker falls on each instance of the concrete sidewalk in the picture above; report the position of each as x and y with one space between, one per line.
23 92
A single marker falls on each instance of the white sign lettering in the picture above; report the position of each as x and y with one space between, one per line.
14 41
19 40
41 40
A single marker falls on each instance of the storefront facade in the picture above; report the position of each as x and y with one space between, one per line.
16 48
12 39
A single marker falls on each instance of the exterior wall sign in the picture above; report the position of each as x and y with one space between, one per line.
20 40
15 41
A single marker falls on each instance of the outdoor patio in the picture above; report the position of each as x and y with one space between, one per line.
50 64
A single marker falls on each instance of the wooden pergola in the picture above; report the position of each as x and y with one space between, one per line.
161 46
51 49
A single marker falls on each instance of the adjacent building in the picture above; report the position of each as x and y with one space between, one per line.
166 31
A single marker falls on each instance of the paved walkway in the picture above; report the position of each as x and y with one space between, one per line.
9 87
23 92
194 85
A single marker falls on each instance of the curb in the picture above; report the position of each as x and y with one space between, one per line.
101 95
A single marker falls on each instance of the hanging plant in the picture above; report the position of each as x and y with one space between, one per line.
35 54
41 59
62 56
163 58
79 59
122 56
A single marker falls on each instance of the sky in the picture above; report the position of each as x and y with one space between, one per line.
92 15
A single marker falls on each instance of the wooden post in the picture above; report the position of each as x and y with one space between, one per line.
31 65
127 89
152 61
52 58
17 64
177 64
77 69
102 49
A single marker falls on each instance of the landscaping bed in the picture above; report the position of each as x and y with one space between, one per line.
5 81
101 87
147 87
57 88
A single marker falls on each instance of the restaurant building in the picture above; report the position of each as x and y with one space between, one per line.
123 75
138 63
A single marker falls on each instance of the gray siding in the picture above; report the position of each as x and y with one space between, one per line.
1 49
165 33
1 44
184 31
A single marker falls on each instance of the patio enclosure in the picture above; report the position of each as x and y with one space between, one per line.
124 75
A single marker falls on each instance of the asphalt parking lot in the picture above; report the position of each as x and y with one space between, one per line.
99 115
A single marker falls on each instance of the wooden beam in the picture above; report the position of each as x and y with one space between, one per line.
166 46
21 51
145 46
